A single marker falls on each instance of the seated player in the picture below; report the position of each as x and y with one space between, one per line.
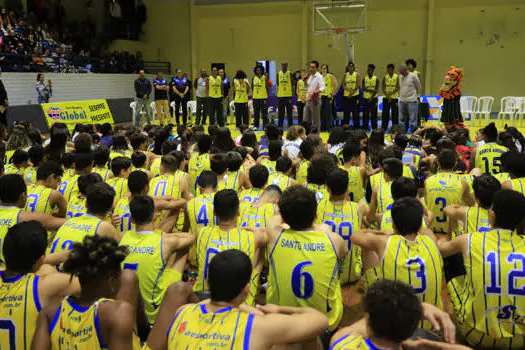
488 156
381 200
390 152
36 156
303 260
258 179
410 255
281 176
20 273
104 313
13 197
227 235
307 151
100 163
504 175
121 168
68 162
199 161
317 172
99 202
474 219
18 163
274 152
413 152
403 187
444 189
489 314
120 147
219 166
139 162
149 252
77 206
393 312
235 179
167 147
238 326
258 214
42 196
168 183
353 164
83 165
515 164
344 218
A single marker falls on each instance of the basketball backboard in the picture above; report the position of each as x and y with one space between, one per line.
349 15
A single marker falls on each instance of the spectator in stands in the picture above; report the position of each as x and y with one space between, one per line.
3 103
44 91
143 91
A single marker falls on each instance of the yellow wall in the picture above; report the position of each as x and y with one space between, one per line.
481 35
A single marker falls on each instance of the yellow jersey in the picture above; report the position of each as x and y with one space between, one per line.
284 86
269 164
73 231
8 155
279 179
251 195
9 216
477 220
442 190
146 259
502 177
353 342
103 172
376 179
194 327
320 191
231 181
252 216
214 86
120 153
122 210
259 88
30 174
11 169
328 83
76 207
211 241
165 185
356 188
387 225
19 308
351 83
77 327
241 93
68 173
412 155
344 220
417 263
302 172
155 166
518 185
197 163
488 157
384 197
200 214
303 90
304 271
38 199
493 300
69 187
120 185
370 83
391 85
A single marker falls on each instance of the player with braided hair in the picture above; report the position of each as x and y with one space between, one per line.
104 313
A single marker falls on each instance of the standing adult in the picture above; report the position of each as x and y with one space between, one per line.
301 91
409 87
226 89
315 84
161 98
370 89
142 91
180 93
215 94
284 94
44 91
351 83
202 97
3 103
390 89
327 98
241 87
260 97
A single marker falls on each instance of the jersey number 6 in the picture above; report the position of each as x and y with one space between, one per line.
302 281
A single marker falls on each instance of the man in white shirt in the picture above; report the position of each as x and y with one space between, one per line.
409 88
315 85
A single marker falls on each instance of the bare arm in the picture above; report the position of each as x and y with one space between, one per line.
107 230
59 202
358 81
506 185
456 212
371 215
49 222
371 240
468 198
383 88
449 247
173 242
42 337
117 318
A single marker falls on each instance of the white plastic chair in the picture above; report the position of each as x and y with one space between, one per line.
519 112
468 106
232 107
483 111
133 105
507 111
153 108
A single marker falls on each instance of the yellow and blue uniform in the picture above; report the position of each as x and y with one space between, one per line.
38 199
412 155
122 210
442 190
391 85
120 185
76 207
328 84
251 195
241 93
194 327
518 185
384 197
155 166
260 91
387 225
9 216
197 163
269 164
214 86
252 216
356 189
304 271
68 173
146 259
279 179
8 155
11 169
19 308
165 185
320 191
231 181
477 220
284 88
303 90
351 83
120 153
302 172
353 342
370 84
69 187
78 327
103 172
211 241
30 174
491 311
502 177
488 157
344 220
376 179
200 215
73 231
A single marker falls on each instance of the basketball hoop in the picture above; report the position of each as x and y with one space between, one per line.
337 30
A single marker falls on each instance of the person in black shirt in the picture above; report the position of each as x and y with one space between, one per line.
180 92
226 86
161 98
142 91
